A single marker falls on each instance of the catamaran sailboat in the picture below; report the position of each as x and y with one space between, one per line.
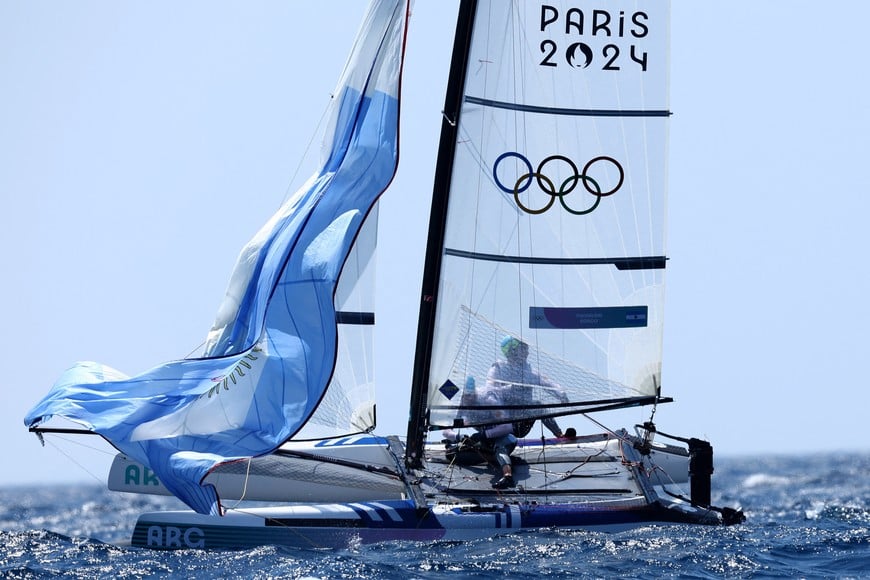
546 238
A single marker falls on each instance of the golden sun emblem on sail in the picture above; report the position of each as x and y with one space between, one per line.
232 377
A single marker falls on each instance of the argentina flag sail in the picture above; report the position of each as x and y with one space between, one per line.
271 356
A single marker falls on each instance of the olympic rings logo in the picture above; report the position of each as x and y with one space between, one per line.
545 184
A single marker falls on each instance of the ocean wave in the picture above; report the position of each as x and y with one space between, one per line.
805 519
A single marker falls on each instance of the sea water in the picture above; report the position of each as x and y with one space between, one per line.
808 517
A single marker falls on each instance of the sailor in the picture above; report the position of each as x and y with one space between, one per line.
515 373
497 438
500 438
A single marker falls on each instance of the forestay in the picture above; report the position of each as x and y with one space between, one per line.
555 225
272 351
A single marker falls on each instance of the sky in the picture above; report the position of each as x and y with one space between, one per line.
143 143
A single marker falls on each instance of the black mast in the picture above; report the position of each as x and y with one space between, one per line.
437 222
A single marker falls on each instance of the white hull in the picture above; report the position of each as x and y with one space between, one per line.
593 482
348 469
366 468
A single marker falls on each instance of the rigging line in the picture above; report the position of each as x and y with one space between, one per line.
606 428
587 460
658 471
79 465
709 508
245 487
470 143
292 180
475 152
307 150
450 468
403 475
543 454
342 462
73 442
195 349
565 475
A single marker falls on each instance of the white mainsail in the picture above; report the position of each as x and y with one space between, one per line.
555 225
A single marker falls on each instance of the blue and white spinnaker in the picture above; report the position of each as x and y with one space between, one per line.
271 353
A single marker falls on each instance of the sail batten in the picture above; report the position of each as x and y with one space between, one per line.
363 318
631 263
525 108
